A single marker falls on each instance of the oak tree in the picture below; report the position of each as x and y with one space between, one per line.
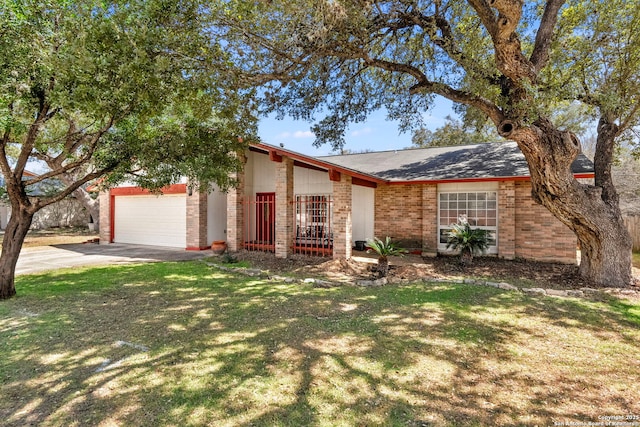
512 61
119 90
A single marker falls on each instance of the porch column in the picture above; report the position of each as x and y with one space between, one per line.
197 221
105 217
284 207
429 220
507 219
342 232
235 213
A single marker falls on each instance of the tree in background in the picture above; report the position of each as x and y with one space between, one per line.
453 132
121 90
513 62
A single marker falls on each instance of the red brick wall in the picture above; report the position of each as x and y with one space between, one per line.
342 205
197 221
507 219
539 235
235 212
284 209
398 212
525 229
430 219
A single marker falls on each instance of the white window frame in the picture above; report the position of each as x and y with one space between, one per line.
464 189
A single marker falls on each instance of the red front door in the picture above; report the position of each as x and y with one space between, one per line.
265 217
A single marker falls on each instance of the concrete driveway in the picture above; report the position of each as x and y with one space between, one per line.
46 258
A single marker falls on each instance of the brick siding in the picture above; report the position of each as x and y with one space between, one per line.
342 205
235 214
507 219
398 213
429 219
284 207
539 235
197 221
525 229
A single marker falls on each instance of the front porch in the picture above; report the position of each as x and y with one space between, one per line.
312 222
285 206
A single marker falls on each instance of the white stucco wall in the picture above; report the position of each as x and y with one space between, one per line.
363 213
309 181
260 174
216 216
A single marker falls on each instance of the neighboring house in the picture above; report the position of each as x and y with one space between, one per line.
288 203
67 212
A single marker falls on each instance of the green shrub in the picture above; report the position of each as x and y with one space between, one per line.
384 249
469 241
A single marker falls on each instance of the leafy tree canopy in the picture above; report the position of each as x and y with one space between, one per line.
512 62
348 58
123 86
134 90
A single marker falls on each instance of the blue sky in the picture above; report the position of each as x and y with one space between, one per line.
377 134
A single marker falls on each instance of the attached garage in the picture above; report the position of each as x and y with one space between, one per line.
150 219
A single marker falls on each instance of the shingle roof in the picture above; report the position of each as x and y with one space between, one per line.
490 160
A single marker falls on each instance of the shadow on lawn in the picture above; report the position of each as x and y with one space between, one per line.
235 351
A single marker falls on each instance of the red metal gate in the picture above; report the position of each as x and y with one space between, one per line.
313 224
259 223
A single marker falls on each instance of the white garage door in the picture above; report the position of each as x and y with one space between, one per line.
151 220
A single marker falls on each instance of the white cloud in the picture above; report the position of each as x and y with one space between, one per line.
297 134
303 134
363 131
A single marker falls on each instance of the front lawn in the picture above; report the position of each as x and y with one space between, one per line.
184 344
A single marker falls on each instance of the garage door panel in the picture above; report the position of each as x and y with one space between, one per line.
151 220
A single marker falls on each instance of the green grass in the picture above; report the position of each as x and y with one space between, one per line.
635 260
235 351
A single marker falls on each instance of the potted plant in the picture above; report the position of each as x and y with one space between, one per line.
469 241
218 247
384 249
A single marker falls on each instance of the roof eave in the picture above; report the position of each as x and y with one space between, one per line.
279 151
483 179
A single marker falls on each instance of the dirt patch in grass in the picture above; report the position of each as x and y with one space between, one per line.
415 268
57 236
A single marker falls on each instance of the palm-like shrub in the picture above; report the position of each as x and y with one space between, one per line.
384 249
469 241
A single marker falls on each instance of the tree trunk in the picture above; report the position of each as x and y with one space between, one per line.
590 211
466 257
14 236
383 266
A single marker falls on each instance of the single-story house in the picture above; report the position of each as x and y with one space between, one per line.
287 202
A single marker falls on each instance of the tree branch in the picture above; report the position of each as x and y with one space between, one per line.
30 139
540 55
446 41
508 51
485 14
4 163
423 83
603 159
80 161
626 123
42 202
